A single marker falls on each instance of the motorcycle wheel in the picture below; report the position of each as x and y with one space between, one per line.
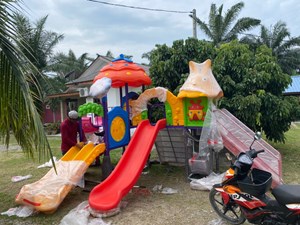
231 212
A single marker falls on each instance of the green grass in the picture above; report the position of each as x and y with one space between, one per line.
290 153
16 163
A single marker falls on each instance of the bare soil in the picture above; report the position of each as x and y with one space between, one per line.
148 207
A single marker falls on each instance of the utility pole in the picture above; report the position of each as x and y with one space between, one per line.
194 23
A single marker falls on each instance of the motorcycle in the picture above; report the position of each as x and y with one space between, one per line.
242 195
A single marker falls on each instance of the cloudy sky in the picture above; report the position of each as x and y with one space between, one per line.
96 28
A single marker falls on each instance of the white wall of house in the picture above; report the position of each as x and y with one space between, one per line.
113 96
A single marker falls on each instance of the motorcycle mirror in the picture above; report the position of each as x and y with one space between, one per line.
257 135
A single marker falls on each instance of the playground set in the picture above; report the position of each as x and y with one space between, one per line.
189 111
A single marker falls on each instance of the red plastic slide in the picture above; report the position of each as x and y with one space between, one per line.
237 137
108 194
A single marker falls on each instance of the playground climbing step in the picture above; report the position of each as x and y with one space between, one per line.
171 146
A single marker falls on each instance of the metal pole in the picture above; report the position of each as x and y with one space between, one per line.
194 24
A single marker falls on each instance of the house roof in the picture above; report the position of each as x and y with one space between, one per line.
294 87
93 70
89 74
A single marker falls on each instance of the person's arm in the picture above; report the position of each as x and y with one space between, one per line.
82 142
82 132
83 137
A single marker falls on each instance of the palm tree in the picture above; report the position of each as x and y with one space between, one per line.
284 47
109 54
37 45
17 110
35 41
219 28
65 64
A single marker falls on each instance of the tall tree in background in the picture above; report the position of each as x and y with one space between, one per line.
17 110
109 54
284 47
221 29
36 42
65 64
252 81
37 45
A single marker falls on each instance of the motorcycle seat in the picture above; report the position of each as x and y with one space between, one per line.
287 194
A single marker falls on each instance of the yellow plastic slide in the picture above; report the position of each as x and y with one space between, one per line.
46 194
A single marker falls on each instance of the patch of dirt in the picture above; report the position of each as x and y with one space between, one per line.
148 207
185 207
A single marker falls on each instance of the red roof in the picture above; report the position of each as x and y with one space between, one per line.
123 71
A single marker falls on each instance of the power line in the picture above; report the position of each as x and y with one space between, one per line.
140 8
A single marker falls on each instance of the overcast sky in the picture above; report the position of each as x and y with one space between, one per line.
96 28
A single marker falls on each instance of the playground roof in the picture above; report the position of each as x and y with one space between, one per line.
123 71
89 74
200 82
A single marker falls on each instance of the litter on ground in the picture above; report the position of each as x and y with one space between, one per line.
206 183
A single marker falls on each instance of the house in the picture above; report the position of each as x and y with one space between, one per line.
294 88
78 91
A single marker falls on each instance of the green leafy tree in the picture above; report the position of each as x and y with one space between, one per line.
253 84
67 67
17 110
220 29
58 85
284 47
252 81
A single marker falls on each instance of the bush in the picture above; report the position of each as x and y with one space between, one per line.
52 128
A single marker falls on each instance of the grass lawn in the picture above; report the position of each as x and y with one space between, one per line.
14 162
290 153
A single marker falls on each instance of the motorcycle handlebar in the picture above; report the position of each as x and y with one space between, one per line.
259 151
253 153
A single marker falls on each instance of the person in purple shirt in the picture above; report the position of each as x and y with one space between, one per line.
69 130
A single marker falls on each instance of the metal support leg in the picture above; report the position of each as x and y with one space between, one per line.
107 167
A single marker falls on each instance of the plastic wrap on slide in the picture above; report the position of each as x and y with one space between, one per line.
46 194
237 137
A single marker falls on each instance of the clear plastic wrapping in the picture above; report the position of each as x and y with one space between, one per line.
47 193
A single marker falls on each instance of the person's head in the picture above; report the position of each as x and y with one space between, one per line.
73 115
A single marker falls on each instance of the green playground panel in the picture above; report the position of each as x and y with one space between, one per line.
194 111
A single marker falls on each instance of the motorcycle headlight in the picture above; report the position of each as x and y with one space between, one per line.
245 159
